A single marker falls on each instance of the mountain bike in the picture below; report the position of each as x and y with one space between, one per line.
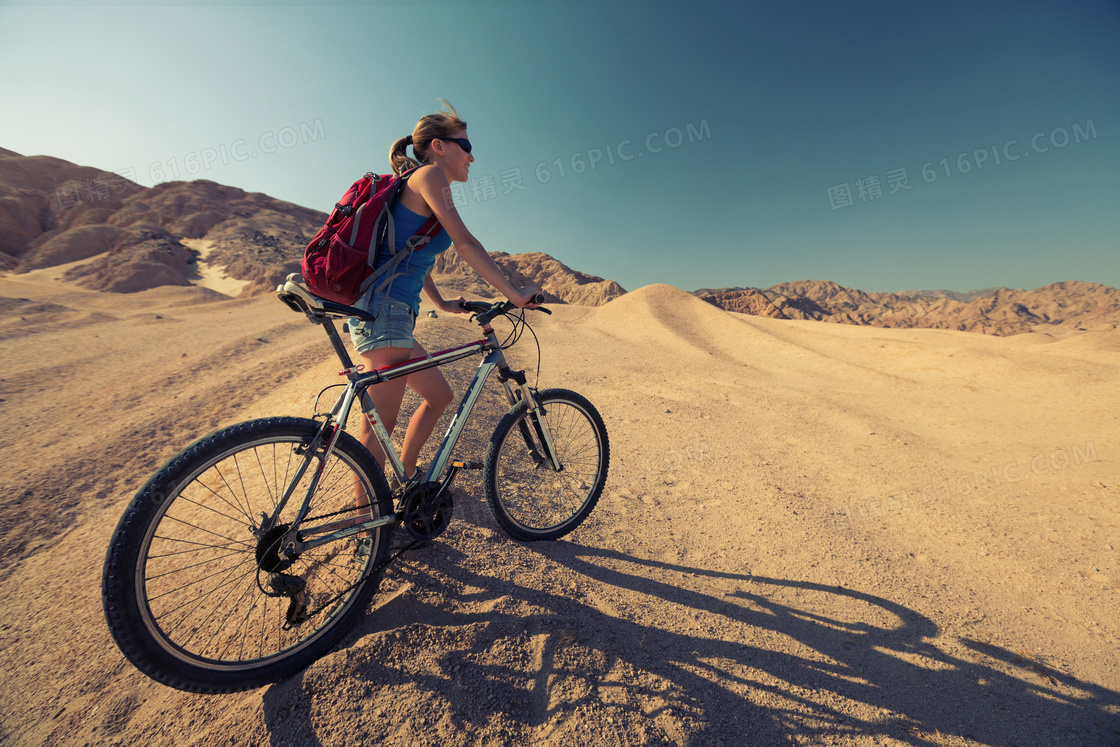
253 550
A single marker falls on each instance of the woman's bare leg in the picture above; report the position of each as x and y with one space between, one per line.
432 387
386 398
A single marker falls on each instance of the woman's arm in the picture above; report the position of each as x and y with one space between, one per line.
436 191
451 307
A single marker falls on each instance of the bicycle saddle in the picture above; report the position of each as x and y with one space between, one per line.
299 298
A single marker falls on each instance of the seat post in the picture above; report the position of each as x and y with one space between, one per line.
336 342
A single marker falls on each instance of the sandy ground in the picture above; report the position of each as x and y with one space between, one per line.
811 534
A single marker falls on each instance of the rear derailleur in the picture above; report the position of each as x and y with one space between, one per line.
271 560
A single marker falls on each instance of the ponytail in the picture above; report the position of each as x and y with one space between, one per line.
440 125
398 155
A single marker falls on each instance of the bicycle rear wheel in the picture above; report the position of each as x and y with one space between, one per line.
186 580
527 497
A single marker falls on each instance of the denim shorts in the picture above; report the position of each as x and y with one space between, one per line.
393 328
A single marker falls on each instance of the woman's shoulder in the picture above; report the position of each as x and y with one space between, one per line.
426 174
419 183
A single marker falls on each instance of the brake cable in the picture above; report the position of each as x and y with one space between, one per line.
520 324
319 395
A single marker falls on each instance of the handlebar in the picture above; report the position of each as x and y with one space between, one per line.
485 312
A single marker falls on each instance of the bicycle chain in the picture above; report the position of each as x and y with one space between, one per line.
336 513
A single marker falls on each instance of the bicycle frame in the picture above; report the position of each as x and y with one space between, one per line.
359 382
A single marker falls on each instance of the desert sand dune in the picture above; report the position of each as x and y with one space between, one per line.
812 533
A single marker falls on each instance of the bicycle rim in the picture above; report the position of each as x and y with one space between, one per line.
198 580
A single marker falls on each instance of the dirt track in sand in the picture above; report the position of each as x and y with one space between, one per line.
811 534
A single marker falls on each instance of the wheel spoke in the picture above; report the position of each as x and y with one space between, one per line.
188 542
221 498
188 567
207 531
195 581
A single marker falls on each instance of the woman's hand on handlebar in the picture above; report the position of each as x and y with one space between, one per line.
455 306
527 298
487 310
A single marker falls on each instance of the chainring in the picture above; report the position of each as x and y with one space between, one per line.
426 511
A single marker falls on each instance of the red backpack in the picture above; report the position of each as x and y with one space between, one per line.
338 263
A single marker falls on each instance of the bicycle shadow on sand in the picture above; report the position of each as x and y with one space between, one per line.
887 660
468 656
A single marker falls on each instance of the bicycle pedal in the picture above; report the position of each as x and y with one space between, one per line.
467 465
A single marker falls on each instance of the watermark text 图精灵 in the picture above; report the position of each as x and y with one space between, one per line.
870 187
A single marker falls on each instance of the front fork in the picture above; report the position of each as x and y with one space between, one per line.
533 415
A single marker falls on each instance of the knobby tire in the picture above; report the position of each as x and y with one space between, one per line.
182 583
528 498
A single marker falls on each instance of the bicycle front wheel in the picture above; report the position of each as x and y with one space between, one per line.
189 584
528 497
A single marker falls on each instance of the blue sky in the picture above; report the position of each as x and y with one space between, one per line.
885 146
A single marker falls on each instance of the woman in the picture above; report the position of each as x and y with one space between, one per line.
440 144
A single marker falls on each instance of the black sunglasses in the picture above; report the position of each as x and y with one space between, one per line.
462 142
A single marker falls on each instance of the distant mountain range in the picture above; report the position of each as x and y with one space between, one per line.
53 212
994 311
558 281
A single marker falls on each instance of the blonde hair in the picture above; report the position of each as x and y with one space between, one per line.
443 124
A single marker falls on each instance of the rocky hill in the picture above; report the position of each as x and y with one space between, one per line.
558 281
53 212
998 311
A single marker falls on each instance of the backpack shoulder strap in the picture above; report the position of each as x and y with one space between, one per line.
387 273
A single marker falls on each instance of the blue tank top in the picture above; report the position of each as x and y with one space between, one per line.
415 265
